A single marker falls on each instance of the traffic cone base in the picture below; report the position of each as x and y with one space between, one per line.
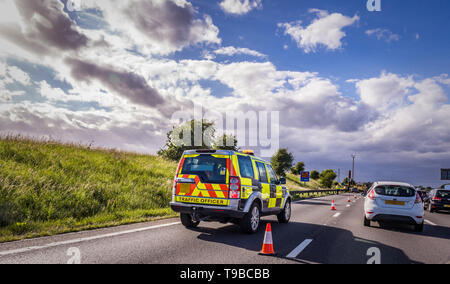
267 248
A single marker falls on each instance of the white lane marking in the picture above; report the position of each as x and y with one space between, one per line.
79 240
299 249
337 215
348 205
431 223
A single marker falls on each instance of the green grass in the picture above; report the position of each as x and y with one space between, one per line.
293 183
48 188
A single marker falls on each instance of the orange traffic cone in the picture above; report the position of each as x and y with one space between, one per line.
333 206
267 248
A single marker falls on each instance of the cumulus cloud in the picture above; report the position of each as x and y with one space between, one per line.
231 50
42 27
387 91
383 34
325 30
158 27
127 84
240 7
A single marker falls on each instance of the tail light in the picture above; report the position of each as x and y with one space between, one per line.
418 199
371 195
174 186
235 187
437 199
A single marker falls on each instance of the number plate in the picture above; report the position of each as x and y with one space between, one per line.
392 202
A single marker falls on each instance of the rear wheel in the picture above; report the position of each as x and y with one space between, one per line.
366 222
418 227
285 214
250 223
186 220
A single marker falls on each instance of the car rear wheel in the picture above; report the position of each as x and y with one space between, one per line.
250 223
186 220
285 214
366 222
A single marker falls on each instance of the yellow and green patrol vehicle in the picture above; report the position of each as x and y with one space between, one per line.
228 186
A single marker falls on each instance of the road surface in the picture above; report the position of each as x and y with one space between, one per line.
315 235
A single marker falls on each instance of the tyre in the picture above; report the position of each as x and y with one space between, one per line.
285 214
366 222
186 220
250 223
418 228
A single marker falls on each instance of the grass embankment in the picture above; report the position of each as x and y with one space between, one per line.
48 188
293 184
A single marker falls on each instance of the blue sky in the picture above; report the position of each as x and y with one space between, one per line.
344 80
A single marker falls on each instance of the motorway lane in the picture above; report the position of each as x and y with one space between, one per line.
337 237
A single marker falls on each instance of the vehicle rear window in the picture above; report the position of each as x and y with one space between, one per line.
246 167
208 168
443 194
395 190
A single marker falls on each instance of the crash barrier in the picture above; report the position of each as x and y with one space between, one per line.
305 194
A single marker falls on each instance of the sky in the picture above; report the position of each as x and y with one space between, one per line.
345 80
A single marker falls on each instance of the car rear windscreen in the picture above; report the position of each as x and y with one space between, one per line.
208 168
443 194
395 190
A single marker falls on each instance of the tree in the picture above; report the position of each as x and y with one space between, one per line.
282 161
298 168
315 175
183 138
327 177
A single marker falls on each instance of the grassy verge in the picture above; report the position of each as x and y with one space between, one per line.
293 183
48 188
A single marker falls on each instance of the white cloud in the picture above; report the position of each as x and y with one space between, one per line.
383 34
231 50
387 91
240 7
325 30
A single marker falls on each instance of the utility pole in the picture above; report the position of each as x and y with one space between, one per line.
353 167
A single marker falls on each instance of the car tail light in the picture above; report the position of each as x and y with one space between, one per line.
418 199
371 195
235 187
437 199
174 187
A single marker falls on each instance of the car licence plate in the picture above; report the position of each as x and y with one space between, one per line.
392 202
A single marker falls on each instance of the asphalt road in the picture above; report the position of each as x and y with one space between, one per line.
315 235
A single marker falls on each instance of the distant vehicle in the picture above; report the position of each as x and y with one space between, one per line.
228 186
439 200
394 202
424 195
355 190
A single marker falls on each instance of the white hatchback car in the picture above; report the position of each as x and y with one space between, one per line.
394 202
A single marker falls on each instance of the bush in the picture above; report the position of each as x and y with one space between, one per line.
327 177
